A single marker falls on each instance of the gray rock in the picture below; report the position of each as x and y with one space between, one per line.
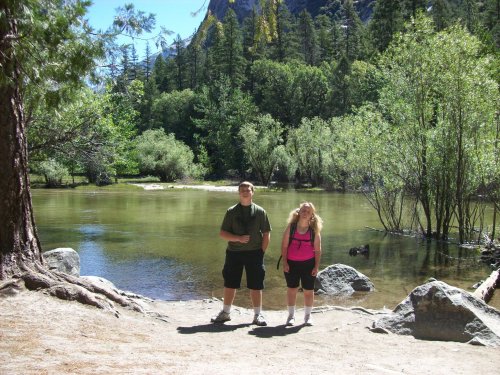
63 259
339 279
438 311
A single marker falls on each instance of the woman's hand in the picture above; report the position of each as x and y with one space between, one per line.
314 271
286 267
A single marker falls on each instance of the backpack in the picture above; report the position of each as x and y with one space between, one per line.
293 229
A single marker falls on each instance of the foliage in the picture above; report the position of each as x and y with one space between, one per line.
161 155
53 172
263 146
310 145
442 102
223 110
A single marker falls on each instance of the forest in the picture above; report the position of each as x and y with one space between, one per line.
402 108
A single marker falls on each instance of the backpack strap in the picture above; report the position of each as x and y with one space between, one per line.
293 228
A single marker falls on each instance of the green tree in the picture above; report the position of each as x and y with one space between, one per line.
274 89
442 100
326 47
161 155
441 14
180 63
43 55
310 92
309 145
173 111
387 19
263 146
231 54
222 111
353 38
308 38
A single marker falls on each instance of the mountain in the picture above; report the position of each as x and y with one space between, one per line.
243 8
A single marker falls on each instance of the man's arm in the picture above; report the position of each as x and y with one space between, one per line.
266 237
234 237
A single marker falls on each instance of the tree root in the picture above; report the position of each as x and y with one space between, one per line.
70 288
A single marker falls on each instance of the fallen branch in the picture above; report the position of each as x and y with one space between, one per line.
487 288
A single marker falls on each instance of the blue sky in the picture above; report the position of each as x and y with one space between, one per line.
173 15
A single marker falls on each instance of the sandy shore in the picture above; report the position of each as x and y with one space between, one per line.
44 335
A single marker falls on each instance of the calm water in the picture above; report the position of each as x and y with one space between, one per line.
165 245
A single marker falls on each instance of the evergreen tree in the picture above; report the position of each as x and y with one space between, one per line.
194 56
283 46
180 65
353 32
160 74
146 67
440 11
324 28
254 46
340 101
307 37
232 50
412 7
470 15
387 19
134 70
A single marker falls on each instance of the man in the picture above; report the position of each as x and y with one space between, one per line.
246 228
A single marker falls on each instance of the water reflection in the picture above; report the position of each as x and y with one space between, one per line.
165 244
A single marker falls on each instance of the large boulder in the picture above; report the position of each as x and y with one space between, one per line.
438 311
339 279
63 259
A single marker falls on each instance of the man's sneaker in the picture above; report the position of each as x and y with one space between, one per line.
308 320
259 320
290 320
221 317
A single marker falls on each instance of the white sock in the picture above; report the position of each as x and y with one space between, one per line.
226 308
291 310
308 310
257 310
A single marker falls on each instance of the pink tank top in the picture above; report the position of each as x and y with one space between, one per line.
300 247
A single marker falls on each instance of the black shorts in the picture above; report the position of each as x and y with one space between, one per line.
253 263
300 273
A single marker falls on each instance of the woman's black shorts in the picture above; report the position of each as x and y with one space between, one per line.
300 272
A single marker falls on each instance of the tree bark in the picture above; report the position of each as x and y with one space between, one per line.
487 288
19 244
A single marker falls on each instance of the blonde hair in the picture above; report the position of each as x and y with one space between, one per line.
316 222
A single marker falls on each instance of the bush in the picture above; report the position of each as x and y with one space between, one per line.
161 155
54 172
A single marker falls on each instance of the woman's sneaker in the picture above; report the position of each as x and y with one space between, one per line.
259 320
290 320
221 317
308 320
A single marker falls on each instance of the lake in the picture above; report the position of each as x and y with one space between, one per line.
164 244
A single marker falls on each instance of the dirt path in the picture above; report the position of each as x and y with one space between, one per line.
44 335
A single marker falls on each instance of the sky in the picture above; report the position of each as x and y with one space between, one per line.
173 15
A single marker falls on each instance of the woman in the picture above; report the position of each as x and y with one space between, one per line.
301 252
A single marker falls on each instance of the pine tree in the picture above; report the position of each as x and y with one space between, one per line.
387 19
440 14
324 28
307 37
412 7
232 52
180 65
146 67
254 45
353 32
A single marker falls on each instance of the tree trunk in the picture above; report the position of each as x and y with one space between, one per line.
487 288
19 244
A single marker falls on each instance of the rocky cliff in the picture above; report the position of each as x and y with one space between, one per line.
243 8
